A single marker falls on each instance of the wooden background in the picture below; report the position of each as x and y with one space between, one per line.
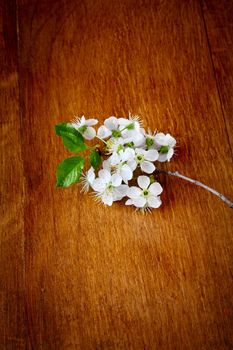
76 275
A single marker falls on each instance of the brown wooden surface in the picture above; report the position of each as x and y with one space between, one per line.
76 275
219 26
12 281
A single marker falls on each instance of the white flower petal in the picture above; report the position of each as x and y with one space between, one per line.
128 154
111 123
91 175
131 136
123 189
126 172
139 202
143 131
106 164
103 132
140 151
134 192
154 202
82 121
139 141
143 181
162 157
107 199
116 180
128 135
98 185
160 139
90 122
155 188
170 154
129 202
90 133
132 164
115 159
147 167
113 144
123 121
152 155
170 140
120 191
105 175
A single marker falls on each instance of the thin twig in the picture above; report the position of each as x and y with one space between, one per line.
198 183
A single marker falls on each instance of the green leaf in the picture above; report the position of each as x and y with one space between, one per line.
69 171
73 142
95 159
63 127
60 127
72 139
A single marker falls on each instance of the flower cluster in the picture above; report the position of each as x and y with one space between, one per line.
122 166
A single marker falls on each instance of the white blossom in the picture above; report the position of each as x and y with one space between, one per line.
123 164
145 158
131 130
110 124
108 187
136 138
128 124
115 145
146 195
84 126
165 145
149 139
87 179
127 129
126 151
133 122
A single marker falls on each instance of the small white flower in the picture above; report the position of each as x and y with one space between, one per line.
165 145
106 164
145 196
135 137
123 164
87 179
108 187
128 124
110 125
103 132
145 158
124 131
115 145
84 126
131 130
132 123
149 139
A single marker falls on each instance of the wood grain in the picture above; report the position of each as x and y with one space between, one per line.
218 17
111 278
12 281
